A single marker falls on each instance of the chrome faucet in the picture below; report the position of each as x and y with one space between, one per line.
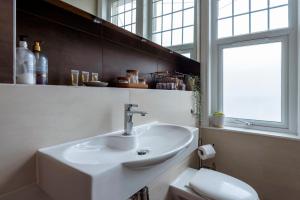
128 113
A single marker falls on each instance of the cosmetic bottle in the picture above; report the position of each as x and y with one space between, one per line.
41 64
25 63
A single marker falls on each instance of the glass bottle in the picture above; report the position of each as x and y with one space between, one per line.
41 64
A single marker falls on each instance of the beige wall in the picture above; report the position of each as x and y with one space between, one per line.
271 165
32 117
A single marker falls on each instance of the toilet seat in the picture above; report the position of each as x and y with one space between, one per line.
205 184
216 185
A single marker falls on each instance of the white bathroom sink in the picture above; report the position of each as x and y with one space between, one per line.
158 142
112 159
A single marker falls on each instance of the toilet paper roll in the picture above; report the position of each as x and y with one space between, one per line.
206 152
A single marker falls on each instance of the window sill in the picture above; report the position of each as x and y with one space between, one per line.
257 132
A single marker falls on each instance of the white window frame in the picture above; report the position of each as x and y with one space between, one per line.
284 86
287 36
139 15
192 48
144 24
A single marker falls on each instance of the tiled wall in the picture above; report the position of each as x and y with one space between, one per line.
32 117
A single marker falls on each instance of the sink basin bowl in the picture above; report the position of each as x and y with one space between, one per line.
159 142
95 163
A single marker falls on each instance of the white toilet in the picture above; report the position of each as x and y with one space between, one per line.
206 184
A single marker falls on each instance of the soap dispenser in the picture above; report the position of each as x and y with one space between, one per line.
25 63
41 64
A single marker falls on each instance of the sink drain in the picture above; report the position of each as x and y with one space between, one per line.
142 152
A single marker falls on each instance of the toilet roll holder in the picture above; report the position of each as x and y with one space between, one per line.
213 165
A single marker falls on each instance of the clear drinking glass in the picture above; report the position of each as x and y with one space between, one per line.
94 76
85 76
74 77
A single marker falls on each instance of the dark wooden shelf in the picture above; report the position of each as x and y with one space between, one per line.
73 39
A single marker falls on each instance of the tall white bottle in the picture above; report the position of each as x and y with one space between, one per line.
25 64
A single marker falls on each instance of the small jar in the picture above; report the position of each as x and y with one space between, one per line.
133 75
94 76
142 81
123 79
218 119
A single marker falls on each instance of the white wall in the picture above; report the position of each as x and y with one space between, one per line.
32 117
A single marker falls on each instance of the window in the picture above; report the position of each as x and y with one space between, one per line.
173 24
252 83
254 64
170 23
238 17
188 55
123 14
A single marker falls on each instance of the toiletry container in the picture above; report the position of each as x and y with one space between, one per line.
218 119
25 64
133 75
41 64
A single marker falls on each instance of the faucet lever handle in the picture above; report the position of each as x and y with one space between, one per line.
129 106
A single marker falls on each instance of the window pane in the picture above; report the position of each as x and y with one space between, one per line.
177 20
225 8
166 38
252 83
133 4
177 5
114 20
114 8
279 17
177 37
188 35
123 14
167 6
188 55
241 25
188 3
259 4
241 6
225 28
167 19
259 21
133 28
128 28
188 17
157 38
121 19
133 16
121 6
157 8
157 24
128 5
127 17
278 2
175 15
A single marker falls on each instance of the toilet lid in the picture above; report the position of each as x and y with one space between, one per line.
219 186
